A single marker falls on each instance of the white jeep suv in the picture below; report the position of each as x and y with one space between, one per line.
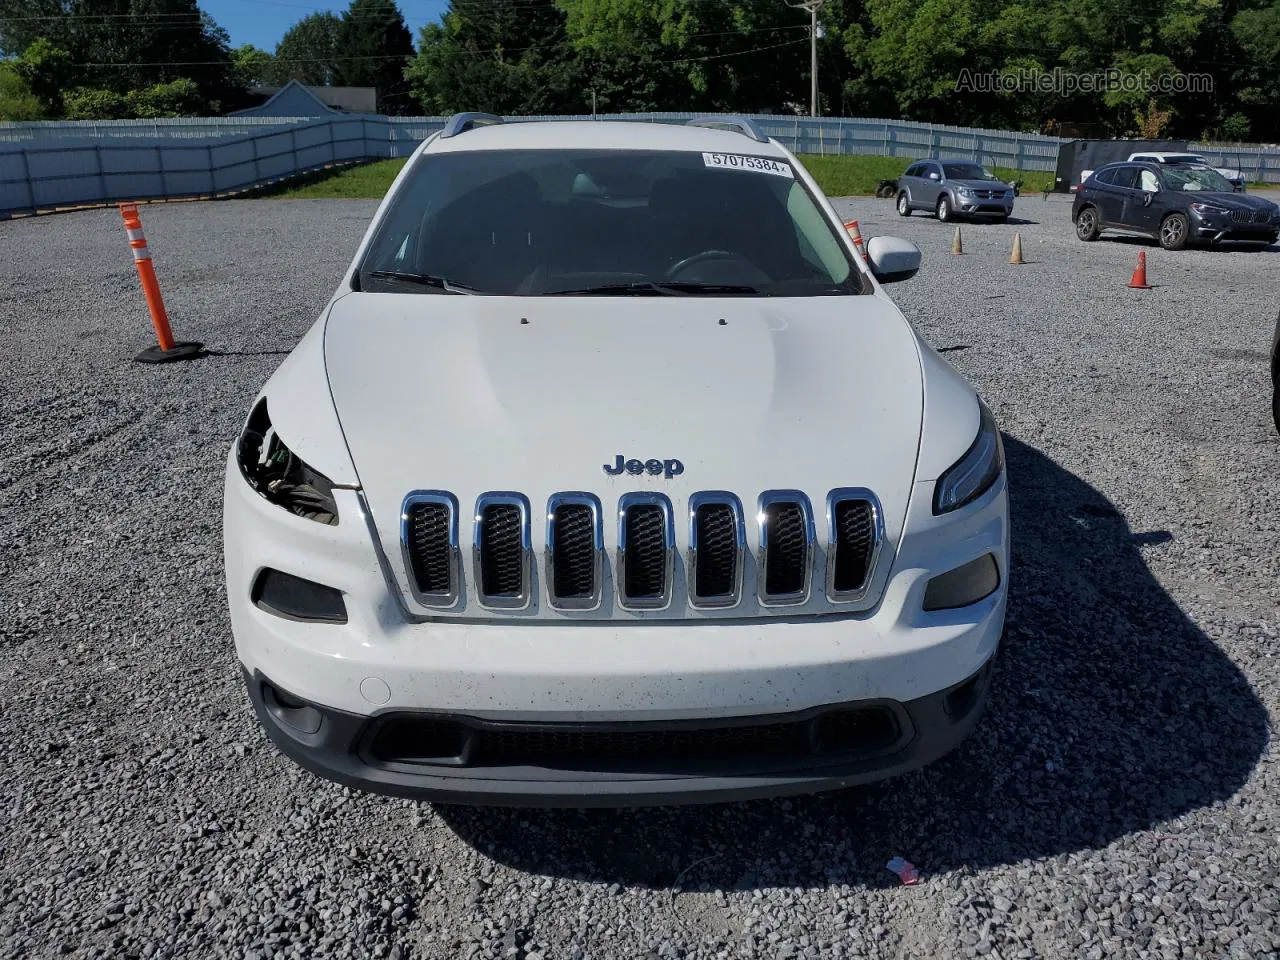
611 475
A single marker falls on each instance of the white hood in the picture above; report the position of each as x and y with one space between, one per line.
534 395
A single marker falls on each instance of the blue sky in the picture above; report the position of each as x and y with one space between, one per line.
263 22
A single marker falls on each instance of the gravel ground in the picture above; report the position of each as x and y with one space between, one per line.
1120 798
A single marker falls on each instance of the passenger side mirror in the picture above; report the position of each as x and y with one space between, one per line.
893 259
934 175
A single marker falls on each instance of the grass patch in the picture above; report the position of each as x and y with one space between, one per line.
363 181
839 176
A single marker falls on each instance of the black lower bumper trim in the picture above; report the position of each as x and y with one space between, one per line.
455 759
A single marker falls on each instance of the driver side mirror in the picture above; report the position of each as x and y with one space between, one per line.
934 175
893 259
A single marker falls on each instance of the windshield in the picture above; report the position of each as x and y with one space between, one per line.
615 222
1195 178
967 171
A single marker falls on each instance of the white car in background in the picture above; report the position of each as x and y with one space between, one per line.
1234 177
611 475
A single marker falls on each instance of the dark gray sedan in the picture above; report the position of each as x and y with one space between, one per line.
954 188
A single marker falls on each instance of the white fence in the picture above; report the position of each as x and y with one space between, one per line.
45 166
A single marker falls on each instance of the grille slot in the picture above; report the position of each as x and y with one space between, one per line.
429 538
501 549
1251 216
646 541
786 546
827 736
853 541
716 547
574 545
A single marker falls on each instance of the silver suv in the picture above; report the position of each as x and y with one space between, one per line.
954 188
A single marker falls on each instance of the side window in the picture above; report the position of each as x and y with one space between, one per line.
1106 176
913 170
1127 177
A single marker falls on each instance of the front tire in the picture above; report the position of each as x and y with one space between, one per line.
904 205
944 209
1087 224
1174 232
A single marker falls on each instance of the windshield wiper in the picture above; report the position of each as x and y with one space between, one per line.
649 288
422 279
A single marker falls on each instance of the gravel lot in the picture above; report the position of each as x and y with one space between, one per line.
1121 797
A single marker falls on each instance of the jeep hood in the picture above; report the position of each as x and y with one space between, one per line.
470 394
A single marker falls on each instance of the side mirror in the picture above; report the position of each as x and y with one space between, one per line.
893 259
934 175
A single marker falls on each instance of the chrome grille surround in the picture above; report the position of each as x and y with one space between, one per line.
520 600
591 502
696 502
834 498
769 499
662 600
441 498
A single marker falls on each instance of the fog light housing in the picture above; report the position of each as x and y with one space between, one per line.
966 584
294 598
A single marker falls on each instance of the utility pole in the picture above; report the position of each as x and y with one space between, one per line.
813 6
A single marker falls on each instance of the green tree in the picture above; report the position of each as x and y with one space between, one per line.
375 49
17 102
1257 31
507 59
251 67
47 70
308 51
124 45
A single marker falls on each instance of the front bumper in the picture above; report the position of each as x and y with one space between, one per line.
978 207
381 665
1215 228
657 768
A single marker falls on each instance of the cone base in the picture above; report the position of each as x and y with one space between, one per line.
180 351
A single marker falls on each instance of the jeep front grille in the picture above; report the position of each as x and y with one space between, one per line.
853 539
646 550
429 536
786 547
575 544
716 547
576 575
501 550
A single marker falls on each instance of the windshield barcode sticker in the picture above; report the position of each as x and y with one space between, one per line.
738 161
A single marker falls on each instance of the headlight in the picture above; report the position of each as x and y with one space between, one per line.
974 473
1203 208
271 468
963 191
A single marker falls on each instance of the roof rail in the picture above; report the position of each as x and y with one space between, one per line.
462 122
740 125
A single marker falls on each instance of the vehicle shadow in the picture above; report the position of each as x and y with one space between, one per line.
1111 712
1231 246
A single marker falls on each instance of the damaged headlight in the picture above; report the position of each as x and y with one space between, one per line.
272 469
974 473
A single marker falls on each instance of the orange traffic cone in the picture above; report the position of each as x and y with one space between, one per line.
1016 256
957 247
1139 279
166 349
856 234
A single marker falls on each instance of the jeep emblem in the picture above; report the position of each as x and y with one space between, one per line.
667 468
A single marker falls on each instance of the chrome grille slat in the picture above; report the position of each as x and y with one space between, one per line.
429 542
716 549
575 546
786 547
646 551
855 530
501 550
